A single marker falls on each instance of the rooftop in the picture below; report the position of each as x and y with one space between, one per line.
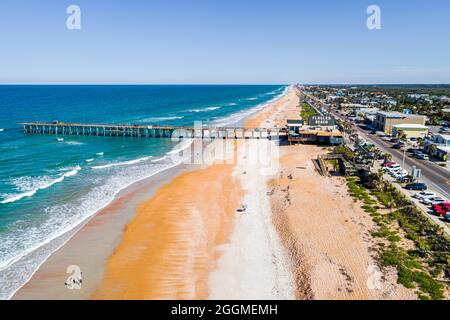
445 136
393 114
445 149
410 126
296 121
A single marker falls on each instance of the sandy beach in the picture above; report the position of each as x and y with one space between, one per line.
260 223
194 241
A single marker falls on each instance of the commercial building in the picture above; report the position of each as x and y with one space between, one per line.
410 130
294 125
321 129
439 147
385 121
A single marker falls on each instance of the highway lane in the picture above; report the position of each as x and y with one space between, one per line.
436 177
432 174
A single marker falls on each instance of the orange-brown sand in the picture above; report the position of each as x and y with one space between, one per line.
169 248
327 234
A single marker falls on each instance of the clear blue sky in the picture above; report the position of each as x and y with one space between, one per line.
224 41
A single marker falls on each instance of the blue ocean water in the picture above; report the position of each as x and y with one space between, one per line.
50 184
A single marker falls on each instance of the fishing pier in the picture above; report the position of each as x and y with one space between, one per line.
148 131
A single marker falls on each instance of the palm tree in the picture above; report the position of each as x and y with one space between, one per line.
401 135
387 157
432 149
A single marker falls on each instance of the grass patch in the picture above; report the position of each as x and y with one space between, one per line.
428 261
307 111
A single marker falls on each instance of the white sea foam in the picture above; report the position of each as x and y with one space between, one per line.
237 117
159 159
124 163
204 110
74 143
39 242
1 130
89 160
181 146
30 185
156 119
22 252
99 154
60 139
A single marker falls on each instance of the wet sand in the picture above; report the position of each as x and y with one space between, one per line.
91 246
169 247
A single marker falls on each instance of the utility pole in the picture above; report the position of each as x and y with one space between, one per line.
404 156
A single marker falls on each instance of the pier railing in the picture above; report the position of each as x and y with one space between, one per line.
148 131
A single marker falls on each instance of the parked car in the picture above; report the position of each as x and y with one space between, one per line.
440 211
441 208
423 157
427 197
399 177
406 179
398 146
388 164
393 168
416 186
423 194
397 173
433 200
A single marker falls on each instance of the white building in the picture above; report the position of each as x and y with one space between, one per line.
439 147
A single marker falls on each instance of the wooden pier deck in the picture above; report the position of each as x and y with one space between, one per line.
148 131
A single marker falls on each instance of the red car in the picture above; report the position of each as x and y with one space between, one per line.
441 208
442 204
389 164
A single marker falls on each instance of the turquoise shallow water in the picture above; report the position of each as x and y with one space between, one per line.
50 184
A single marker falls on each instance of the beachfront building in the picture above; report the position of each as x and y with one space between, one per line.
321 129
294 125
410 130
385 121
439 146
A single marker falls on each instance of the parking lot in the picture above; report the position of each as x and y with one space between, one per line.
434 176
430 214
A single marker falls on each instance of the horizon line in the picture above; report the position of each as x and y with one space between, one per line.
218 84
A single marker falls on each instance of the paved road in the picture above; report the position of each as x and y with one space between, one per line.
435 176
